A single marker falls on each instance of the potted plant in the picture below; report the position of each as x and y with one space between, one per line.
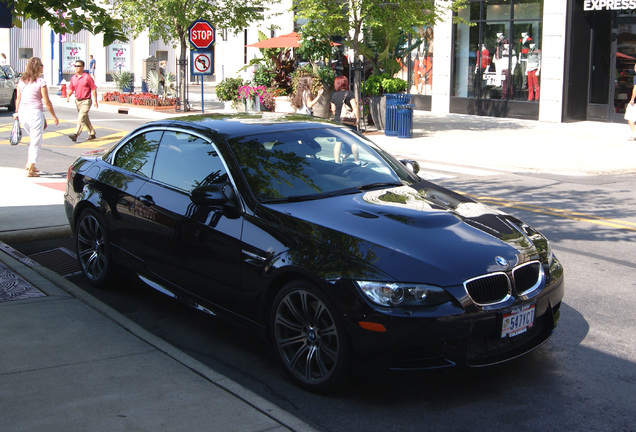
252 97
124 81
322 78
375 87
228 91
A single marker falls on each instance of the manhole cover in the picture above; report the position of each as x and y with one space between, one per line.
61 260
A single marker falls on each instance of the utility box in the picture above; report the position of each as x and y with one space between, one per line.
148 65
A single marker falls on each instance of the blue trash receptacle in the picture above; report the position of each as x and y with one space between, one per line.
391 115
405 120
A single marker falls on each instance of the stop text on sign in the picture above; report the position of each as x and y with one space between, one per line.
201 34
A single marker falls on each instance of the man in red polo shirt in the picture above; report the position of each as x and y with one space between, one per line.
83 86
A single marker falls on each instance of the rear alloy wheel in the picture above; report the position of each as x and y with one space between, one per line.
309 338
93 248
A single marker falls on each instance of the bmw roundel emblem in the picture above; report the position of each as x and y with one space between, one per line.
501 261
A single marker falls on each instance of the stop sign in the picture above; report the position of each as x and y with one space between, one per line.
201 34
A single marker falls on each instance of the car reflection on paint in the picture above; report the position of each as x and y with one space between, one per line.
329 246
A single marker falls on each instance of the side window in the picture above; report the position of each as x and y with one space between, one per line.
186 162
138 154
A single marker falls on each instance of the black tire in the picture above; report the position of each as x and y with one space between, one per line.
309 338
11 106
93 248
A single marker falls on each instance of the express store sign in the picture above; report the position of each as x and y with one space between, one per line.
609 5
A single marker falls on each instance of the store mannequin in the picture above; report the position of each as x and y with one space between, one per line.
507 60
485 60
499 45
533 68
524 47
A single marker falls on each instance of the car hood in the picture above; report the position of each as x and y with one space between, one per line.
420 233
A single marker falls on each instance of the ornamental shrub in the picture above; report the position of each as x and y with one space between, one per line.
228 89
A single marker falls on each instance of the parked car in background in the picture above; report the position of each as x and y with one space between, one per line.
8 87
319 239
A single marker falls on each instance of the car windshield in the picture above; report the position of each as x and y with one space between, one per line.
314 163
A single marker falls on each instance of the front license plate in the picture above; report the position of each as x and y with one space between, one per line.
518 321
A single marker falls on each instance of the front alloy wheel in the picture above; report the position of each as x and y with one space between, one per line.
93 248
309 338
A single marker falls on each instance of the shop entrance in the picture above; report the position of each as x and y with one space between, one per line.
624 47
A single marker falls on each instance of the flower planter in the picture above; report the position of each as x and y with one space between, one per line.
322 108
252 104
377 107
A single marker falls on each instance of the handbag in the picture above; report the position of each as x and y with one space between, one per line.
16 132
630 112
347 115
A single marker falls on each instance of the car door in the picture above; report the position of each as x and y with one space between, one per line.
118 184
5 91
194 247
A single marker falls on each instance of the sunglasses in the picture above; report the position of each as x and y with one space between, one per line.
79 65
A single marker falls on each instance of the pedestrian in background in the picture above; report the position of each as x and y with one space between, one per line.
304 99
341 99
92 65
33 95
83 86
630 110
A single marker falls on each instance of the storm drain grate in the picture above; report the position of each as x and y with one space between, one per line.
13 287
61 260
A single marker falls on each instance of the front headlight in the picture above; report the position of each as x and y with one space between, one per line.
402 294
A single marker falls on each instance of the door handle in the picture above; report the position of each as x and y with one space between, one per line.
147 200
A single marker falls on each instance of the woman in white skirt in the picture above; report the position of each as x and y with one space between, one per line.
33 95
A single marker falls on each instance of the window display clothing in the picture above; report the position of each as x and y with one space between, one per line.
524 48
485 58
533 67
502 64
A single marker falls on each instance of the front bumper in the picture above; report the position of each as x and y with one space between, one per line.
461 338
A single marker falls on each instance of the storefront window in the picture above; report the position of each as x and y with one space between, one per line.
422 60
499 56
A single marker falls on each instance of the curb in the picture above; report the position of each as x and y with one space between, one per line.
32 234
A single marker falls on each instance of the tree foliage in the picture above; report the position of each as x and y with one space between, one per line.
69 16
353 19
169 20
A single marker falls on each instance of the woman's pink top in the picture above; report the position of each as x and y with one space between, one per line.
31 94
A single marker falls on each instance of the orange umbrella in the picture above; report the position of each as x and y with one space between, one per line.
290 40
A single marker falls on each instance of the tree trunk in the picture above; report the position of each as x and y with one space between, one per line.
181 83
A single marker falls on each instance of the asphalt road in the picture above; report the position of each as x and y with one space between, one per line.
581 379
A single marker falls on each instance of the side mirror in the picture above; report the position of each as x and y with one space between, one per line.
213 194
411 165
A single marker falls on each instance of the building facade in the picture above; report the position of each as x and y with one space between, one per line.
546 60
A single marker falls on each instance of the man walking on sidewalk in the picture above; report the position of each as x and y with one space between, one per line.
83 86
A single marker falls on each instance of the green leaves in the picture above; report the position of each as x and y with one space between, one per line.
69 16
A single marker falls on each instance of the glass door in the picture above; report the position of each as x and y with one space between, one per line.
623 73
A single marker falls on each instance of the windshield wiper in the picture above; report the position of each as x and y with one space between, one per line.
379 185
347 191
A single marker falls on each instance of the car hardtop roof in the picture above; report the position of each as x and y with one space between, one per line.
241 126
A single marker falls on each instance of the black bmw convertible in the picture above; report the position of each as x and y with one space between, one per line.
336 251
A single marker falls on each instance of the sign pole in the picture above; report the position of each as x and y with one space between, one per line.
202 100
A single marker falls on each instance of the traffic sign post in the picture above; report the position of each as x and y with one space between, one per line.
201 34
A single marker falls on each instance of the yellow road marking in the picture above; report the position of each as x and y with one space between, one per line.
578 216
